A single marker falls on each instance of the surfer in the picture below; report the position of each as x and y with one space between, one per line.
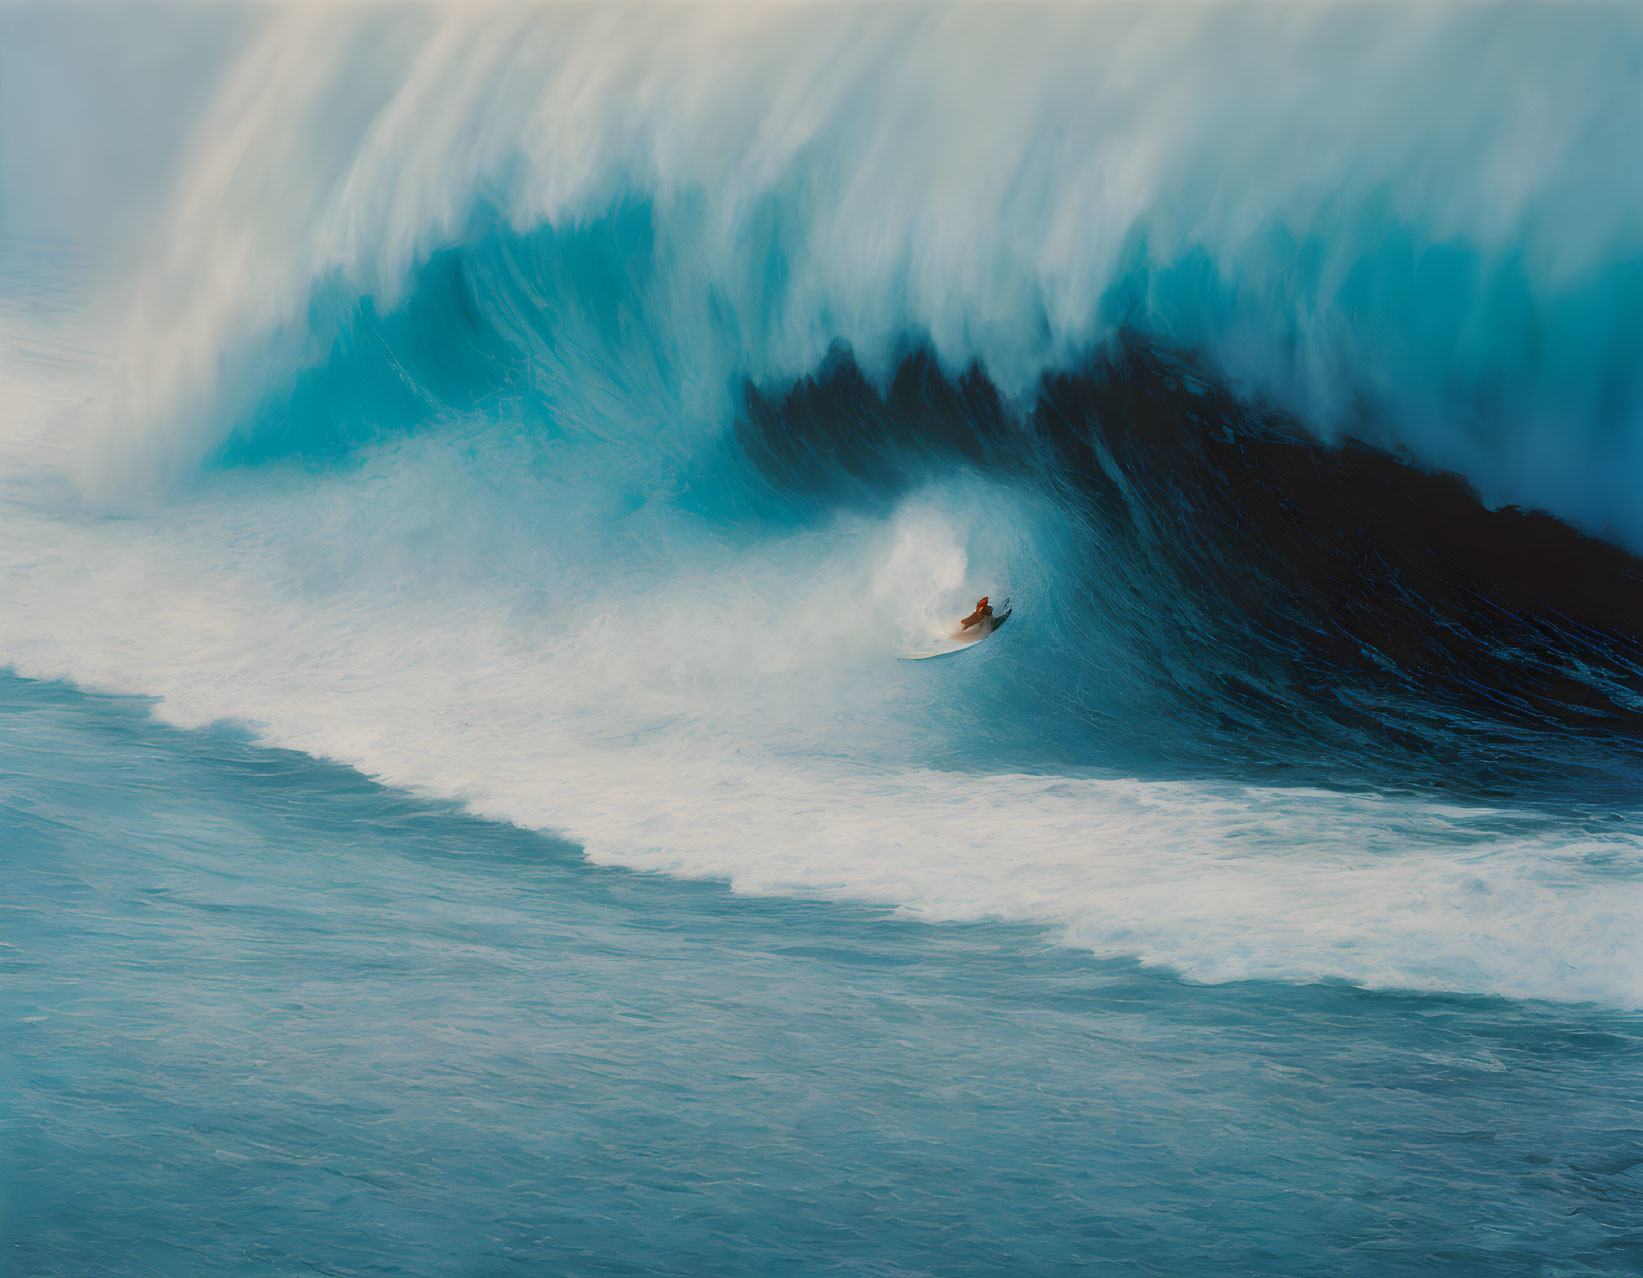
972 630
983 612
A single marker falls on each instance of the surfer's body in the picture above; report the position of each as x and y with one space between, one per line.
971 631
982 616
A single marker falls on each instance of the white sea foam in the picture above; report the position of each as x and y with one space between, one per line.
756 738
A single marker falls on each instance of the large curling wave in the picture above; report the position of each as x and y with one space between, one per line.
575 411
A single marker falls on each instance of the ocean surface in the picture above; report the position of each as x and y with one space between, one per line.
467 476
265 1015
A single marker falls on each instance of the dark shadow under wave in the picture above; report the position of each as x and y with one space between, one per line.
1326 614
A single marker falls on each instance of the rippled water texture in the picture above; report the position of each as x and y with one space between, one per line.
268 1017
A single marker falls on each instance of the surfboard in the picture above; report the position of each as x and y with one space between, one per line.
999 618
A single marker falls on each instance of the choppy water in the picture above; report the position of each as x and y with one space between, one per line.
264 1016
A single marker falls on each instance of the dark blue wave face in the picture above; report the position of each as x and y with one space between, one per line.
1329 614
1210 591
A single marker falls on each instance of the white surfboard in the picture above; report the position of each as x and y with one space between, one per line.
1000 616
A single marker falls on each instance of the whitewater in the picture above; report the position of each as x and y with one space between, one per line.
551 423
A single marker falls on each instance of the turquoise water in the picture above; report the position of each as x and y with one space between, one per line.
264 1016
467 474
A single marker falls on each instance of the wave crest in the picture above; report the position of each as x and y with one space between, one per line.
1419 227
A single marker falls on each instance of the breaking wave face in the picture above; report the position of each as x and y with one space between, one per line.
576 411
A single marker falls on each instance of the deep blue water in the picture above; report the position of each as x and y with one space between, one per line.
264 1016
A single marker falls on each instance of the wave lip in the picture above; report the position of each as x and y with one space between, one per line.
1416 226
